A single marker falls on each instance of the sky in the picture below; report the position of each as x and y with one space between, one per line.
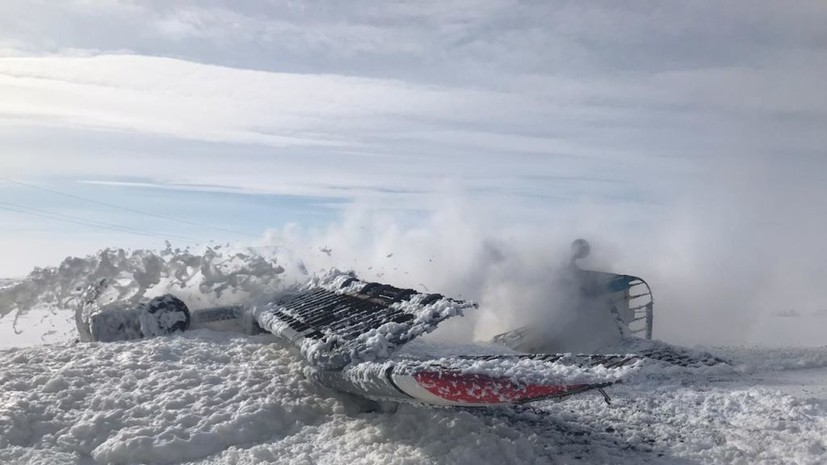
687 137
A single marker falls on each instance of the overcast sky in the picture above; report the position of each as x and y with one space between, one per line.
226 118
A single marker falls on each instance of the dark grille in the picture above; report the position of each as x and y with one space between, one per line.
346 316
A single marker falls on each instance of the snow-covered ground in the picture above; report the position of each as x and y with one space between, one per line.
209 397
219 398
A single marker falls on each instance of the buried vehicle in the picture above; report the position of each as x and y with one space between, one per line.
353 332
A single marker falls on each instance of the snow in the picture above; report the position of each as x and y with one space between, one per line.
157 400
215 276
208 397
563 371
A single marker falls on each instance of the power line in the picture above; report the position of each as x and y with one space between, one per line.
82 221
132 210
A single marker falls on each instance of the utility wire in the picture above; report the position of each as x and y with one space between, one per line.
81 221
132 210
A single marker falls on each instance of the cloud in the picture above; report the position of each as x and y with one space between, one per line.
220 104
322 132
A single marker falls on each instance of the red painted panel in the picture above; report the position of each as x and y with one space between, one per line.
476 389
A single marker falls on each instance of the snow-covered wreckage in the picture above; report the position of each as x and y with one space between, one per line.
354 335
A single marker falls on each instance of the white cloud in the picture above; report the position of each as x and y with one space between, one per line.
328 130
173 97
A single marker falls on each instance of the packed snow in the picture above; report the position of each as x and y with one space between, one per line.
211 397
